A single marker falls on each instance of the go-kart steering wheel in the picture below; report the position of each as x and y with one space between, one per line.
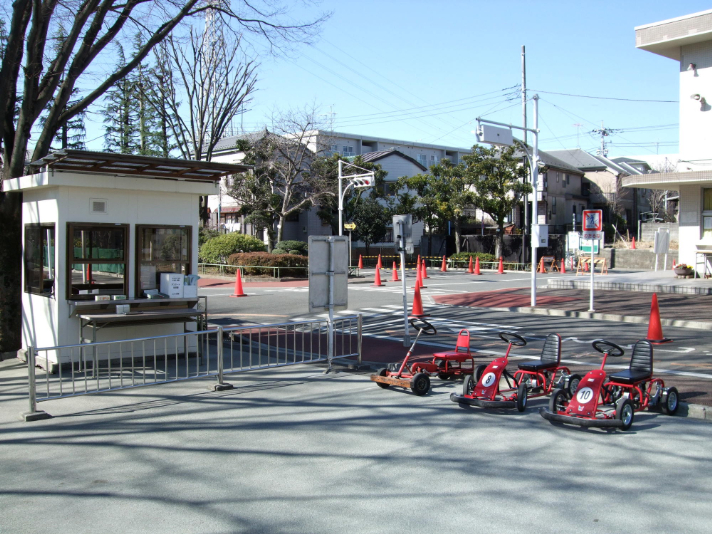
514 339
428 329
606 347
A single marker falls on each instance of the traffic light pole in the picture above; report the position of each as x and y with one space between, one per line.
357 181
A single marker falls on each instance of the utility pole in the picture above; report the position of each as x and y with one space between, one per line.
524 125
603 132
578 131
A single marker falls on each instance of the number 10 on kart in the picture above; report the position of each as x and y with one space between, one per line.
593 230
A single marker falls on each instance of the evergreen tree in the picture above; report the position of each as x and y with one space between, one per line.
120 122
71 134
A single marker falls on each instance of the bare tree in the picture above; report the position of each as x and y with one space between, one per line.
35 78
284 180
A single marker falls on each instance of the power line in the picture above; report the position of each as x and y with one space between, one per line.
607 97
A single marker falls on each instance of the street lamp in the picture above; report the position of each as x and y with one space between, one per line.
503 137
357 181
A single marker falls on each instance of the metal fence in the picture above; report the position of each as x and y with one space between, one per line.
221 269
91 368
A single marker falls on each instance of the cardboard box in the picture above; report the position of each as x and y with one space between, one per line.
172 285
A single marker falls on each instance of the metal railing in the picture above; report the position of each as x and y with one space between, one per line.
92 368
229 270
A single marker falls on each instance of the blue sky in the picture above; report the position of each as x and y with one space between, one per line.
423 71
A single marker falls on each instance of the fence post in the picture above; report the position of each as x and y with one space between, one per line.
33 414
359 331
221 384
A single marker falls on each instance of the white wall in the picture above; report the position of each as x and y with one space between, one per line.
696 118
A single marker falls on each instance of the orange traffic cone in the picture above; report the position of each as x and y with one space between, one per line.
378 283
418 278
500 270
469 267
360 261
632 245
417 264
563 266
425 271
541 267
477 265
585 266
655 328
394 278
417 309
238 285
379 265
443 267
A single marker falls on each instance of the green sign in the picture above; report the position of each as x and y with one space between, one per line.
586 246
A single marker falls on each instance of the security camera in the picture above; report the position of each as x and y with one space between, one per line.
696 96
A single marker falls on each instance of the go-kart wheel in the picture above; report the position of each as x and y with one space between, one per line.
479 371
625 412
558 401
383 372
574 381
671 401
514 339
424 328
444 376
420 383
468 385
603 346
522 394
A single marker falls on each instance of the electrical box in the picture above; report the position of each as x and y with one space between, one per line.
540 235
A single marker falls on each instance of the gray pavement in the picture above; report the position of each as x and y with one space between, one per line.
293 450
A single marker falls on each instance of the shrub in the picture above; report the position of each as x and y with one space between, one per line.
206 233
279 251
300 246
218 249
294 252
257 259
465 256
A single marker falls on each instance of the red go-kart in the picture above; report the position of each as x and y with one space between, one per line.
406 376
612 402
453 364
532 379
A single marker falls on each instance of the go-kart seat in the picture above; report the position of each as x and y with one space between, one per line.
462 347
550 355
641 365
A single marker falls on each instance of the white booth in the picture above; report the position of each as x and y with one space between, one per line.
101 232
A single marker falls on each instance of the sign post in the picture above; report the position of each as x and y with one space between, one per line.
328 280
593 230
350 227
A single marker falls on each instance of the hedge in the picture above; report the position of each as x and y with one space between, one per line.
217 249
465 256
257 259
292 244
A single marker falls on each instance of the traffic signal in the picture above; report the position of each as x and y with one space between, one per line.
362 182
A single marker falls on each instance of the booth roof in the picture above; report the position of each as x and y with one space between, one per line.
145 166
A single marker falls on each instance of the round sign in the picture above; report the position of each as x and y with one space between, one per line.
584 395
488 379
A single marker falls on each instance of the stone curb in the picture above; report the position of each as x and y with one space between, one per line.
622 286
698 325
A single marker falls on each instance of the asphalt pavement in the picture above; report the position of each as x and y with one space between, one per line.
294 450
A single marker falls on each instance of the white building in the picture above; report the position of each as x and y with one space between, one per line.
687 40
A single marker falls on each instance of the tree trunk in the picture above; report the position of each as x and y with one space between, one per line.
10 273
499 242
457 237
280 228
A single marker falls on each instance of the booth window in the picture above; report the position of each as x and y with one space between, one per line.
160 249
39 259
97 258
